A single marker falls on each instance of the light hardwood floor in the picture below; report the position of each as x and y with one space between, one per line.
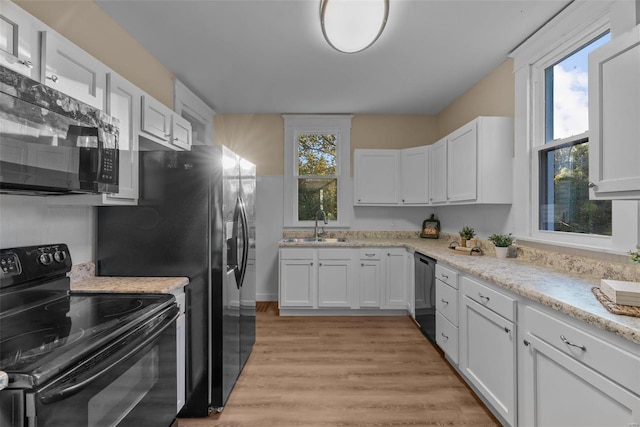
346 371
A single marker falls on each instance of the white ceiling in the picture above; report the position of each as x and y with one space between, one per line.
269 56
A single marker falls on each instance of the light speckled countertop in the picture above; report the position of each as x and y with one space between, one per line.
563 291
166 285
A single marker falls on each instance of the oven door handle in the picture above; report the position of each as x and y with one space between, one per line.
63 391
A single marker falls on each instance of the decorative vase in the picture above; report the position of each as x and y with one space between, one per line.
463 242
472 243
501 252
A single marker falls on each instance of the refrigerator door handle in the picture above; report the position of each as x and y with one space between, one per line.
240 222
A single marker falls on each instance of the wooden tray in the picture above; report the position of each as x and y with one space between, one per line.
625 310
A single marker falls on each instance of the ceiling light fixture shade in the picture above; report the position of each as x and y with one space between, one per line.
351 26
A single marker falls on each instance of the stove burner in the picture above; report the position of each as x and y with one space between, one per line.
108 308
35 343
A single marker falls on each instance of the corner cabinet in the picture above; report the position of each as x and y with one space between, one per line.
614 108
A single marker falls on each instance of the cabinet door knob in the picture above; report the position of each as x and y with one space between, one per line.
526 343
53 78
310 263
592 185
319 264
507 330
362 265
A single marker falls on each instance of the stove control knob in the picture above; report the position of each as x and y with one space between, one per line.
45 259
60 256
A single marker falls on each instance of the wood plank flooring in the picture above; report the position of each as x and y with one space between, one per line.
346 371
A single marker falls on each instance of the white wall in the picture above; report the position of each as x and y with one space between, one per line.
28 220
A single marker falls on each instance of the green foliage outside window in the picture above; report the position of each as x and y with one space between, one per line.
317 183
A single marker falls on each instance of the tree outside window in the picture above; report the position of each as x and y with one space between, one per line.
317 175
564 166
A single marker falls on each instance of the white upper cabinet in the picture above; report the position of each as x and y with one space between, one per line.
163 127
414 172
73 71
614 109
19 48
479 162
187 105
376 177
438 173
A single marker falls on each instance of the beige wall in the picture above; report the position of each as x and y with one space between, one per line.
494 95
89 27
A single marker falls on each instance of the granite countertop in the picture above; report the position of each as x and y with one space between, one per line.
562 291
130 284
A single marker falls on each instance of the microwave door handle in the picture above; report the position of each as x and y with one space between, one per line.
59 393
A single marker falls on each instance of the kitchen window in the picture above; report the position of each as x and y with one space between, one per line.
563 160
551 141
317 164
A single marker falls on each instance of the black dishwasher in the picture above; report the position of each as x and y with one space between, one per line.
425 295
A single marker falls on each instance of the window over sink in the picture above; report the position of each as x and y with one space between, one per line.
316 169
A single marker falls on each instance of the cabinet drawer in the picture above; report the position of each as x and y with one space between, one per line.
447 337
611 361
447 301
332 253
296 253
495 301
370 253
448 276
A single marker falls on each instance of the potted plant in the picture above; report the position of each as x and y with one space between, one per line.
467 235
502 243
635 256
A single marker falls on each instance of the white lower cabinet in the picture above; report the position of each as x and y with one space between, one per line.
569 377
343 278
335 275
488 347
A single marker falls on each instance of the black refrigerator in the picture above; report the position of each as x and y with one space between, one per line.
196 218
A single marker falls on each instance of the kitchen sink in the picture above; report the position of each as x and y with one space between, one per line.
316 240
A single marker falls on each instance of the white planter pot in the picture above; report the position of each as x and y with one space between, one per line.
501 252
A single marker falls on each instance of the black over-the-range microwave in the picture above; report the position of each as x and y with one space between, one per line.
53 144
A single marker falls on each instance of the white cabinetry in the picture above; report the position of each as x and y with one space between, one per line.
572 378
19 45
370 278
162 126
395 287
447 311
73 71
195 111
488 346
414 174
479 159
614 108
438 173
181 350
335 276
298 276
376 177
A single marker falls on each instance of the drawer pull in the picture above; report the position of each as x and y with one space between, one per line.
526 343
445 337
444 275
567 342
444 301
370 254
486 299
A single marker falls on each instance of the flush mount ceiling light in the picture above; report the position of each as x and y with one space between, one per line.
351 26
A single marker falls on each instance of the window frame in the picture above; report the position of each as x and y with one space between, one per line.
571 29
295 125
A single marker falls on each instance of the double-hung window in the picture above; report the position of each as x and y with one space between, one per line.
317 163
551 168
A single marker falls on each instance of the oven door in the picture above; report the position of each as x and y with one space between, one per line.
129 383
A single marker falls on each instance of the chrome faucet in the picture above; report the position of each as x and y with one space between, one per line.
322 214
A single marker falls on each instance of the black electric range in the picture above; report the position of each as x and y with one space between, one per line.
65 350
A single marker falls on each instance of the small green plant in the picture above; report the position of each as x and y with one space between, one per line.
467 233
501 240
635 256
